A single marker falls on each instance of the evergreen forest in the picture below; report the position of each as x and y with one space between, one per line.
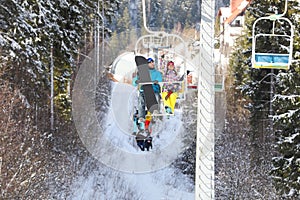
42 47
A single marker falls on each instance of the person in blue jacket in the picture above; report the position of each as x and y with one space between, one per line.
156 77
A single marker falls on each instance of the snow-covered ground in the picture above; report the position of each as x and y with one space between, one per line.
154 178
102 184
165 184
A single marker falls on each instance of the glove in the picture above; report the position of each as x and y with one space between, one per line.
168 95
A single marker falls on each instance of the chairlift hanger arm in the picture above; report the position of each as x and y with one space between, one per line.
145 21
270 18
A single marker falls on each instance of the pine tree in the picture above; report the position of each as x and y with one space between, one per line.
286 120
186 162
28 32
156 14
124 23
255 85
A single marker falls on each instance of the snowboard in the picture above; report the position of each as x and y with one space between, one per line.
144 77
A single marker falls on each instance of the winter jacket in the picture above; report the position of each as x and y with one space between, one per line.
155 76
171 77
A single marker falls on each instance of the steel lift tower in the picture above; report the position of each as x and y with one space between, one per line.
204 185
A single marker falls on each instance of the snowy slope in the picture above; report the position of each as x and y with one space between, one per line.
104 183
154 178
166 184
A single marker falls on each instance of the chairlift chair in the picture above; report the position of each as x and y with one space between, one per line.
154 45
276 55
219 82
